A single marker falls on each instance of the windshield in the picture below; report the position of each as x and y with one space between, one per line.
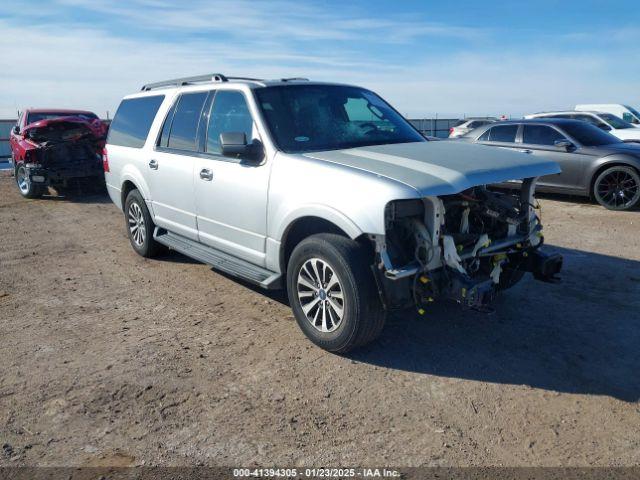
588 134
633 111
37 116
615 122
306 118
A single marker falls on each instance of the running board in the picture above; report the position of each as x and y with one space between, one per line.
219 260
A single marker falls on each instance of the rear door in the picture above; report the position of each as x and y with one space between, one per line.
539 140
231 194
171 165
503 136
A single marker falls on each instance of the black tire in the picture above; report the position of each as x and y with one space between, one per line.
27 188
612 183
363 316
136 214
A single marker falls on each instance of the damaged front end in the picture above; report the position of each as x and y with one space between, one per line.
464 247
61 149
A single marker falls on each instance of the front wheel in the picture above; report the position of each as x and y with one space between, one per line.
139 225
27 188
333 294
618 188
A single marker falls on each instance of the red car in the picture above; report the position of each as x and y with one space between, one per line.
51 147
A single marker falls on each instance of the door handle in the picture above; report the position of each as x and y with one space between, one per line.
526 150
206 174
153 164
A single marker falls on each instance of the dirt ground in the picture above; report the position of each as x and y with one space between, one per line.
111 359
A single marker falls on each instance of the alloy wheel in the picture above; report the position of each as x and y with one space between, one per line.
22 179
321 295
136 224
618 189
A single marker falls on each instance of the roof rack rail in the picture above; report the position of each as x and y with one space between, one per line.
210 77
294 79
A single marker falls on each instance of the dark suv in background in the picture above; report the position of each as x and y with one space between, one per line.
594 163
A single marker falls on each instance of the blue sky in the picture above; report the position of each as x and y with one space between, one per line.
449 58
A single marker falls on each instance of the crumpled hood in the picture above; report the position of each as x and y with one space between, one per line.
53 126
441 168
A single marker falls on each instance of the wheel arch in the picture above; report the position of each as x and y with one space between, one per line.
305 226
131 179
127 187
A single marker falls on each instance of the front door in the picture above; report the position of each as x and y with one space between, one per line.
540 141
231 195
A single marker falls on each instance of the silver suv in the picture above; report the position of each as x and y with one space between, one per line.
327 191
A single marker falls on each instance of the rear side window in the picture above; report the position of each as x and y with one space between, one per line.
540 135
132 121
184 127
500 133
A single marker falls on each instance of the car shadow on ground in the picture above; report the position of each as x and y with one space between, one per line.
81 192
581 336
566 198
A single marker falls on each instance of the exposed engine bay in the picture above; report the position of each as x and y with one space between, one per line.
464 247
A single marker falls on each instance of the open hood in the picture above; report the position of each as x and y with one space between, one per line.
441 168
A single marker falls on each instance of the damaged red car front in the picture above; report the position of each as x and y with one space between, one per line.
52 147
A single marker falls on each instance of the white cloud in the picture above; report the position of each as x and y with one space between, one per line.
87 65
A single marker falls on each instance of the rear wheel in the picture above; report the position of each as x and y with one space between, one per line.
618 188
333 294
27 188
139 225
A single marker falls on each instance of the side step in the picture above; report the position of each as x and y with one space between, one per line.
219 260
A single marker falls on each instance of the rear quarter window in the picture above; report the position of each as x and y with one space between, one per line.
500 133
132 121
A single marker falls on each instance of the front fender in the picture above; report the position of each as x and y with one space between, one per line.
615 159
318 210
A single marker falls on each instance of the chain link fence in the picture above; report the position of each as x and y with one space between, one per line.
435 127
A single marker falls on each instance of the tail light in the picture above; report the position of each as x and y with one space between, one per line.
105 160
450 131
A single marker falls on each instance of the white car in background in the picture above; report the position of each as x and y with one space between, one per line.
465 126
625 112
605 121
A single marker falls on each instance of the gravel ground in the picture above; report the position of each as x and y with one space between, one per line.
111 359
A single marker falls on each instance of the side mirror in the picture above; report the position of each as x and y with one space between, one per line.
234 145
15 130
563 144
